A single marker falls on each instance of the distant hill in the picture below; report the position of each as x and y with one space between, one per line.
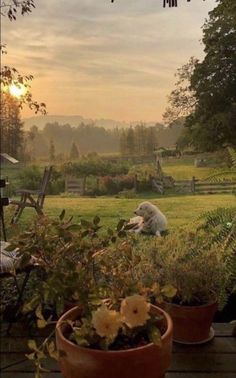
74 120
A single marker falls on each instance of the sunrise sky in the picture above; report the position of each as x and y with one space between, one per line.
103 60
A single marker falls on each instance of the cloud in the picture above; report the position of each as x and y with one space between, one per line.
93 48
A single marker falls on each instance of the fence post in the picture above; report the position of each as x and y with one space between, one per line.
193 184
135 183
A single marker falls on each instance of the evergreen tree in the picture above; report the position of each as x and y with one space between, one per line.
123 144
130 141
74 153
51 151
11 126
151 140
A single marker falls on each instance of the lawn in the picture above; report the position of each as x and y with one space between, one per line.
180 210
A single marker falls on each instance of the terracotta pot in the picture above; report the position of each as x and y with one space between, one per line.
191 323
148 361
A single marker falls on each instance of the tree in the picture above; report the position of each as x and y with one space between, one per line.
11 7
151 140
182 100
51 151
74 153
11 126
130 141
212 124
10 75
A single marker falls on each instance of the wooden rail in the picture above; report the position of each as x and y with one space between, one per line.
73 185
204 187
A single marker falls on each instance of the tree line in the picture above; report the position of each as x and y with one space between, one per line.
205 91
57 142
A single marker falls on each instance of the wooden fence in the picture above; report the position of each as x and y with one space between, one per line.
204 187
73 185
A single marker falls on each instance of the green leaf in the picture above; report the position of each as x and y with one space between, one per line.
169 291
110 232
155 336
30 356
62 215
85 224
38 312
52 351
32 345
130 226
41 323
59 306
96 220
74 227
120 224
81 341
122 234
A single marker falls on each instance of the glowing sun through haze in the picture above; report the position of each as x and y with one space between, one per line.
17 90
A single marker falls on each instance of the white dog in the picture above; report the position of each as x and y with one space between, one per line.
150 219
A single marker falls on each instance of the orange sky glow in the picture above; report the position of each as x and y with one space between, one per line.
103 60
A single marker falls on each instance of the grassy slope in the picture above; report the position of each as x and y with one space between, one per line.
180 210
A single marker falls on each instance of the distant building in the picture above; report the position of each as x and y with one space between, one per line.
7 159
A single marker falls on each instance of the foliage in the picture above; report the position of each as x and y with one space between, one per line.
143 171
11 7
30 177
140 140
87 136
10 75
214 81
11 126
79 263
205 91
51 151
220 226
74 153
193 264
224 173
94 165
182 99
115 326
114 185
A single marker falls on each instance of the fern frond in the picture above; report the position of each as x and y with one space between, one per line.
232 154
224 173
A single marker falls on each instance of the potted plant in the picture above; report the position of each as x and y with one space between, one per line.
86 265
197 270
132 339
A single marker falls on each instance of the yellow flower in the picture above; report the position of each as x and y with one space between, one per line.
106 322
134 310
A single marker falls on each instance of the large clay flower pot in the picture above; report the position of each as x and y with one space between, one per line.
192 324
148 361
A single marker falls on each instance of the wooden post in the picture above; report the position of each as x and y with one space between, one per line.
97 183
193 184
135 183
84 185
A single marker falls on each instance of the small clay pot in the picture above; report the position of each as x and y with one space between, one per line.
191 323
149 361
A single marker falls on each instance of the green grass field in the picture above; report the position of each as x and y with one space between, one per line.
180 210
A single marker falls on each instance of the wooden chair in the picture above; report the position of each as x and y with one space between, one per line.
32 198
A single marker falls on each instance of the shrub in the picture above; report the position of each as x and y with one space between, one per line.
30 177
192 265
109 185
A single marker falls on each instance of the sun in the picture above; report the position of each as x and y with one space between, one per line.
17 90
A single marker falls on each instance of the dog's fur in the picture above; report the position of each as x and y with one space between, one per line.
149 220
